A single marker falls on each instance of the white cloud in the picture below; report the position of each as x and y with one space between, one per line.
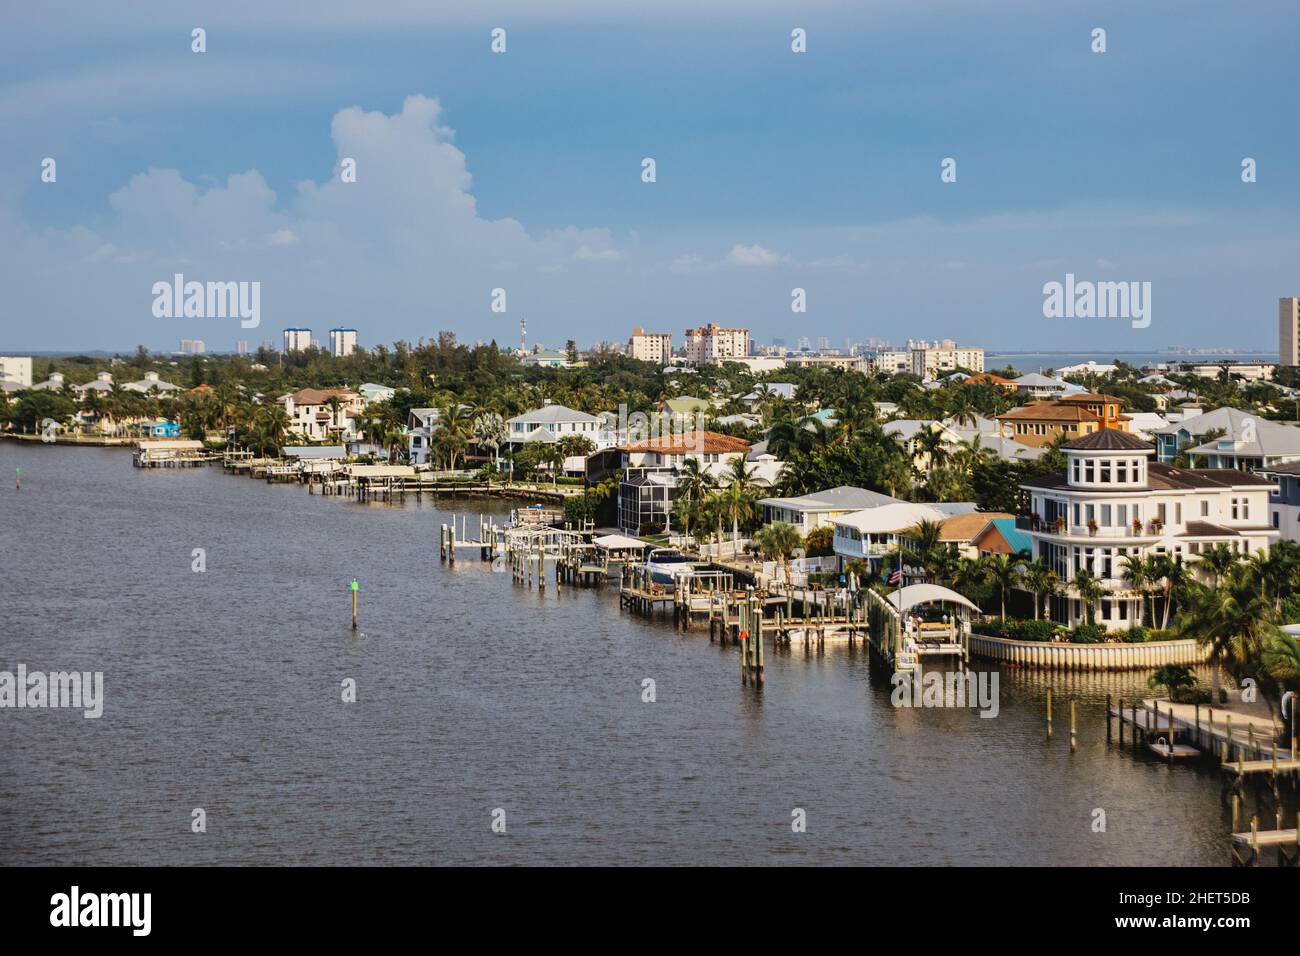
405 240
754 255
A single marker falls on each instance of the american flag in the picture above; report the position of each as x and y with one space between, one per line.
896 576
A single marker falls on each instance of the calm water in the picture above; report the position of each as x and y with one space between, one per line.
223 692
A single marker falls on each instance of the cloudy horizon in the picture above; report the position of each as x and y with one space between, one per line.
523 171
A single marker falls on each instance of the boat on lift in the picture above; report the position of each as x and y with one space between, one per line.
666 565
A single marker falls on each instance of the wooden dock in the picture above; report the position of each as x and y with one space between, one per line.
1247 848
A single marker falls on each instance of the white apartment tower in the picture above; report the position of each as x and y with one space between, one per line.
713 345
297 340
343 342
930 359
16 370
1288 326
654 347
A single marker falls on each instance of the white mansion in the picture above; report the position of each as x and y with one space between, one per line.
1112 502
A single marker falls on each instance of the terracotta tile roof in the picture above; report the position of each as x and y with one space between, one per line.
1049 412
691 443
1090 397
319 396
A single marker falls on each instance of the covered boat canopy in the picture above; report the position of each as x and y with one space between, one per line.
915 594
618 542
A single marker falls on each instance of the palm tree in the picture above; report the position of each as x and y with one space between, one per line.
1276 569
1003 571
739 492
925 543
1235 619
1218 560
1173 576
778 541
693 483
1137 575
1173 677
1041 579
1090 590
333 403
489 431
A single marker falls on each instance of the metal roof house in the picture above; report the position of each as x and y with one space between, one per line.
810 511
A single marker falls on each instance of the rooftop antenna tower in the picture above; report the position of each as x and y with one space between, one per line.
523 335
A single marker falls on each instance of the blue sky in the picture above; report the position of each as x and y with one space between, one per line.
775 170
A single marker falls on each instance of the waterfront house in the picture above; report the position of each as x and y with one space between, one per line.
420 423
313 418
672 450
873 533
1112 501
551 423
649 484
820 508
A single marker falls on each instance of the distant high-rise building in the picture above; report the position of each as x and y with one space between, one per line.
931 358
650 346
710 344
241 347
16 370
192 347
343 342
1288 320
297 340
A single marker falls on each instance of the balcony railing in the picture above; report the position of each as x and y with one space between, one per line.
1033 523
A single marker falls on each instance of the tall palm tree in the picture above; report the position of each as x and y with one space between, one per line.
1137 575
693 483
1218 561
1090 591
1003 571
1276 569
924 545
1173 577
1235 620
1041 580
739 491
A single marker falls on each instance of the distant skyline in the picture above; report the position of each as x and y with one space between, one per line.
522 170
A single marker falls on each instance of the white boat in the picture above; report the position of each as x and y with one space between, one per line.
666 565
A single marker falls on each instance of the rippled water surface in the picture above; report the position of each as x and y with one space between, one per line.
223 692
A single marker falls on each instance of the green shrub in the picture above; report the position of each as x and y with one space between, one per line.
1291 609
1088 634
1136 635
1017 630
